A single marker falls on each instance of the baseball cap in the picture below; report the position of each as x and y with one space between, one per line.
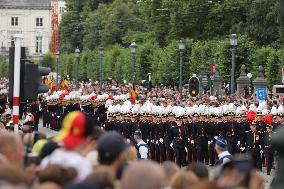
138 133
222 143
110 146
76 126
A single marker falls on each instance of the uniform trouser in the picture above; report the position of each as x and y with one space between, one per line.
189 153
202 149
162 150
232 146
256 157
211 153
269 157
169 153
179 154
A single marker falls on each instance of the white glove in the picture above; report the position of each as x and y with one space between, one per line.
239 143
188 140
185 149
259 146
216 137
192 141
161 140
261 151
128 140
157 142
171 144
243 148
209 142
147 140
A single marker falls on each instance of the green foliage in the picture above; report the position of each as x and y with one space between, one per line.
157 25
49 61
273 69
4 68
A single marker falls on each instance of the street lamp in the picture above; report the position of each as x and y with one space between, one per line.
77 55
249 75
57 70
181 47
234 43
133 48
101 70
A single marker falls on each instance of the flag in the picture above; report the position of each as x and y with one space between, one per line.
133 96
64 85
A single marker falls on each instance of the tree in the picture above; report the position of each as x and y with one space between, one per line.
274 69
48 61
4 68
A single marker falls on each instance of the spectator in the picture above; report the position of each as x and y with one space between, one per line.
57 174
47 185
182 179
205 185
11 175
170 169
142 146
200 170
75 136
103 178
143 175
12 149
221 147
111 150
131 154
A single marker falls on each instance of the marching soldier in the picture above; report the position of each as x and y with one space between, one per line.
232 134
253 144
179 133
201 140
268 151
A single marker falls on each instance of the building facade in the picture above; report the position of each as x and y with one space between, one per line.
32 18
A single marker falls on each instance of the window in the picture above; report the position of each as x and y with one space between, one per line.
12 41
39 21
14 21
61 10
38 44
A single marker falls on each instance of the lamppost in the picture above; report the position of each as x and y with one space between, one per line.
101 69
149 79
57 70
249 75
133 48
77 55
234 43
181 47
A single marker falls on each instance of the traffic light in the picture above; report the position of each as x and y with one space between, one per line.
31 83
193 86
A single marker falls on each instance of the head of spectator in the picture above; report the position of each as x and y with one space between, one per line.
47 185
111 150
92 156
138 136
143 175
57 174
11 148
12 176
182 179
200 170
221 147
47 149
77 127
204 185
102 177
131 154
236 173
170 169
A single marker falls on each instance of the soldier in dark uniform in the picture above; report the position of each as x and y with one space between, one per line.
253 143
232 133
201 140
169 137
212 132
179 133
268 151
